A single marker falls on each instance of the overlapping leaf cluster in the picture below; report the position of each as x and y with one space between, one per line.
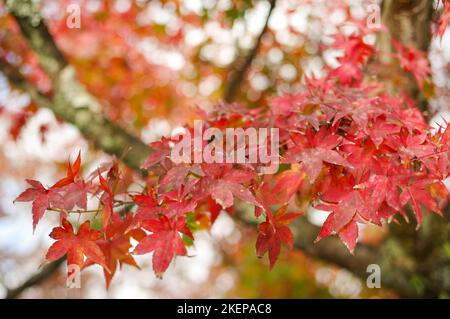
346 146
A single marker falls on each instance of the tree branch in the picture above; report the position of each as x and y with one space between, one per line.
70 100
333 250
237 75
36 279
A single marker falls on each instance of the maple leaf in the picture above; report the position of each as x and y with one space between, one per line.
381 129
161 151
348 73
327 228
116 246
365 157
175 177
347 208
360 111
147 206
355 53
346 204
177 207
42 199
178 178
411 118
72 173
348 234
288 183
165 241
319 148
383 188
75 246
354 47
414 61
264 195
418 194
286 103
64 194
413 147
225 184
75 194
273 232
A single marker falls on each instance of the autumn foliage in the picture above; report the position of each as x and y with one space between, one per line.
347 146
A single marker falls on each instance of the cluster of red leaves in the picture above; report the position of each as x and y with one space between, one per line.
413 61
66 194
106 246
362 154
366 153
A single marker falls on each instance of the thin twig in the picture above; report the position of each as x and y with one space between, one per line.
237 76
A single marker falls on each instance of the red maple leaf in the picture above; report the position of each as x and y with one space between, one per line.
364 157
418 194
318 147
116 246
72 173
413 147
348 234
64 194
287 184
384 189
165 241
287 103
147 206
175 206
75 246
225 183
354 47
42 199
355 52
347 205
75 194
176 177
161 152
414 61
273 232
380 129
